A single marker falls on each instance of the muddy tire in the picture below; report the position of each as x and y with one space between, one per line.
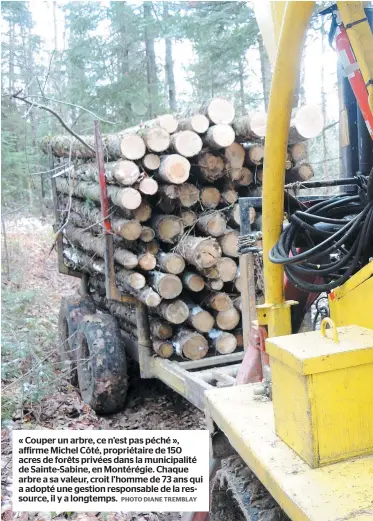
72 312
101 363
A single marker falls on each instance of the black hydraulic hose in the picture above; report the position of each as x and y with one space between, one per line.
331 239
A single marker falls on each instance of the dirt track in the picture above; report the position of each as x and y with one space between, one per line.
150 404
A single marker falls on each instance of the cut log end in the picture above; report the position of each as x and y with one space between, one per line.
220 111
223 342
132 147
210 197
186 143
126 172
143 212
193 282
147 234
160 329
147 261
130 198
157 139
227 269
199 123
188 195
151 162
148 186
190 344
175 312
220 302
128 229
188 217
220 136
201 320
174 169
228 320
171 263
168 122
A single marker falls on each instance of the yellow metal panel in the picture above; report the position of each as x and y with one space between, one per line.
343 404
352 302
361 39
342 491
286 71
323 393
310 353
293 416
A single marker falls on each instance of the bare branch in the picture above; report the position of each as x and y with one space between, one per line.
72 105
65 126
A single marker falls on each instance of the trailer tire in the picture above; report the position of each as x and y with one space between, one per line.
101 364
72 312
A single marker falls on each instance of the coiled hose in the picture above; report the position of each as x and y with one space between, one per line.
335 238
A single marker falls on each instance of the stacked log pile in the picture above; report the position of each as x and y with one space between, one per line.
173 186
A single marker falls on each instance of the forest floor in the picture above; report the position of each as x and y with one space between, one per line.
34 393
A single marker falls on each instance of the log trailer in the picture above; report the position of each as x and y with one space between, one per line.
291 417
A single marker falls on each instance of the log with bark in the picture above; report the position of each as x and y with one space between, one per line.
123 172
199 319
307 122
250 128
190 344
218 110
301 172
126 198
163 348
235 155
197 123
210 197
186 143
298 151
175 312
160 329
167 285
228 320
254 153
168 228
202 252
209 166
151 162
229 243
212 224
188 217
96 246
170 262
222 341
192 281
167 122
219 301
219 136
173 169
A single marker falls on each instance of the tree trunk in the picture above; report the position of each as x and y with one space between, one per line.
169 64
123 172
151 65
265 67
202 252
190 344
250 127
167 285
241 73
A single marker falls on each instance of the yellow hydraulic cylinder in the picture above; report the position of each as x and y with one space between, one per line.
286 71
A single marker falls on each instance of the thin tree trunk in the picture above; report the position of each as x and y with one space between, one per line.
151 66
323 101
242 88
265 67
169 64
